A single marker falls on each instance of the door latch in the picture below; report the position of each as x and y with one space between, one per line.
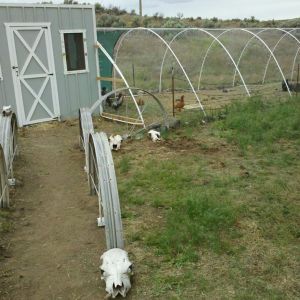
16 68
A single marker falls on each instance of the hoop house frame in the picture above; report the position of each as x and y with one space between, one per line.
254 34
170 49
216 39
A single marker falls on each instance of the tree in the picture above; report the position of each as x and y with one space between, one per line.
70 2
179 15
99 8
136 22
173 23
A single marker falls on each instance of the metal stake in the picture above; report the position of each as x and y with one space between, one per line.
297 85
173 92
133 75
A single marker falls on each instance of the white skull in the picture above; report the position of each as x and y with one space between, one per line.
6 110
115 271
154 135
115 142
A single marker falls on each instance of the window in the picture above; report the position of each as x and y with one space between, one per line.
74 51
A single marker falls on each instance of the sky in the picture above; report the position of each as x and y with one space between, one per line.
223 9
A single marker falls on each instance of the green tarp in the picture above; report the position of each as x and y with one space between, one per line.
108 40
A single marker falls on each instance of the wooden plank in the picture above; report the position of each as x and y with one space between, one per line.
192 106
114 79
122 119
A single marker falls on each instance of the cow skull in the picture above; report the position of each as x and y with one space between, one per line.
154 135
115 271
6 110
115 142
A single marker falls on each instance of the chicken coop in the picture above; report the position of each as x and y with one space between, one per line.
48 60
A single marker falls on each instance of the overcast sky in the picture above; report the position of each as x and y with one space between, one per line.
224 9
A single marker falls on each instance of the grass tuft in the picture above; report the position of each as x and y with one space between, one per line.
193 222
256 123
125 165
5 222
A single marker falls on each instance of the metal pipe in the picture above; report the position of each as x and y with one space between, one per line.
294 62
297 86
219 42
173 92
274 48
122 76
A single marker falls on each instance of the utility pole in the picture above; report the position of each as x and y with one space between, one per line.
141 9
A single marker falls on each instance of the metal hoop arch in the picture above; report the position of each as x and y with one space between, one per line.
8 140
98 102
170 49
242 52
103 182
206 54
255 35
294 62
274 48
86 127
122 76
215 39
4 192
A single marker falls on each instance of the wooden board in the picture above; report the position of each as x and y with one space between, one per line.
122 119
114 79
192 106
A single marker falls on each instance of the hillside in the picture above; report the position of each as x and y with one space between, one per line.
116 17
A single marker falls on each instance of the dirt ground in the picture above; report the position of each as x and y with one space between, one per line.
55 246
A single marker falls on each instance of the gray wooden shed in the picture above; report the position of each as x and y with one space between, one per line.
48 60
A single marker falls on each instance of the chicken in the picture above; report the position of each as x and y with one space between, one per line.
140 102
179 105
118 101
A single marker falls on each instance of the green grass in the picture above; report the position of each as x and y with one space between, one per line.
259 124
214 210
124 164
195 221
5 222
175 284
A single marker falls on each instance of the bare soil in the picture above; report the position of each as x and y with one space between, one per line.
55 246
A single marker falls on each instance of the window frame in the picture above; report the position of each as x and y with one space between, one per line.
62 33
1 75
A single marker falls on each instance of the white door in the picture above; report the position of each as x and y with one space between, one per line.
33 72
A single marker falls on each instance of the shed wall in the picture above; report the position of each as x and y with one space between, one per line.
74 90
